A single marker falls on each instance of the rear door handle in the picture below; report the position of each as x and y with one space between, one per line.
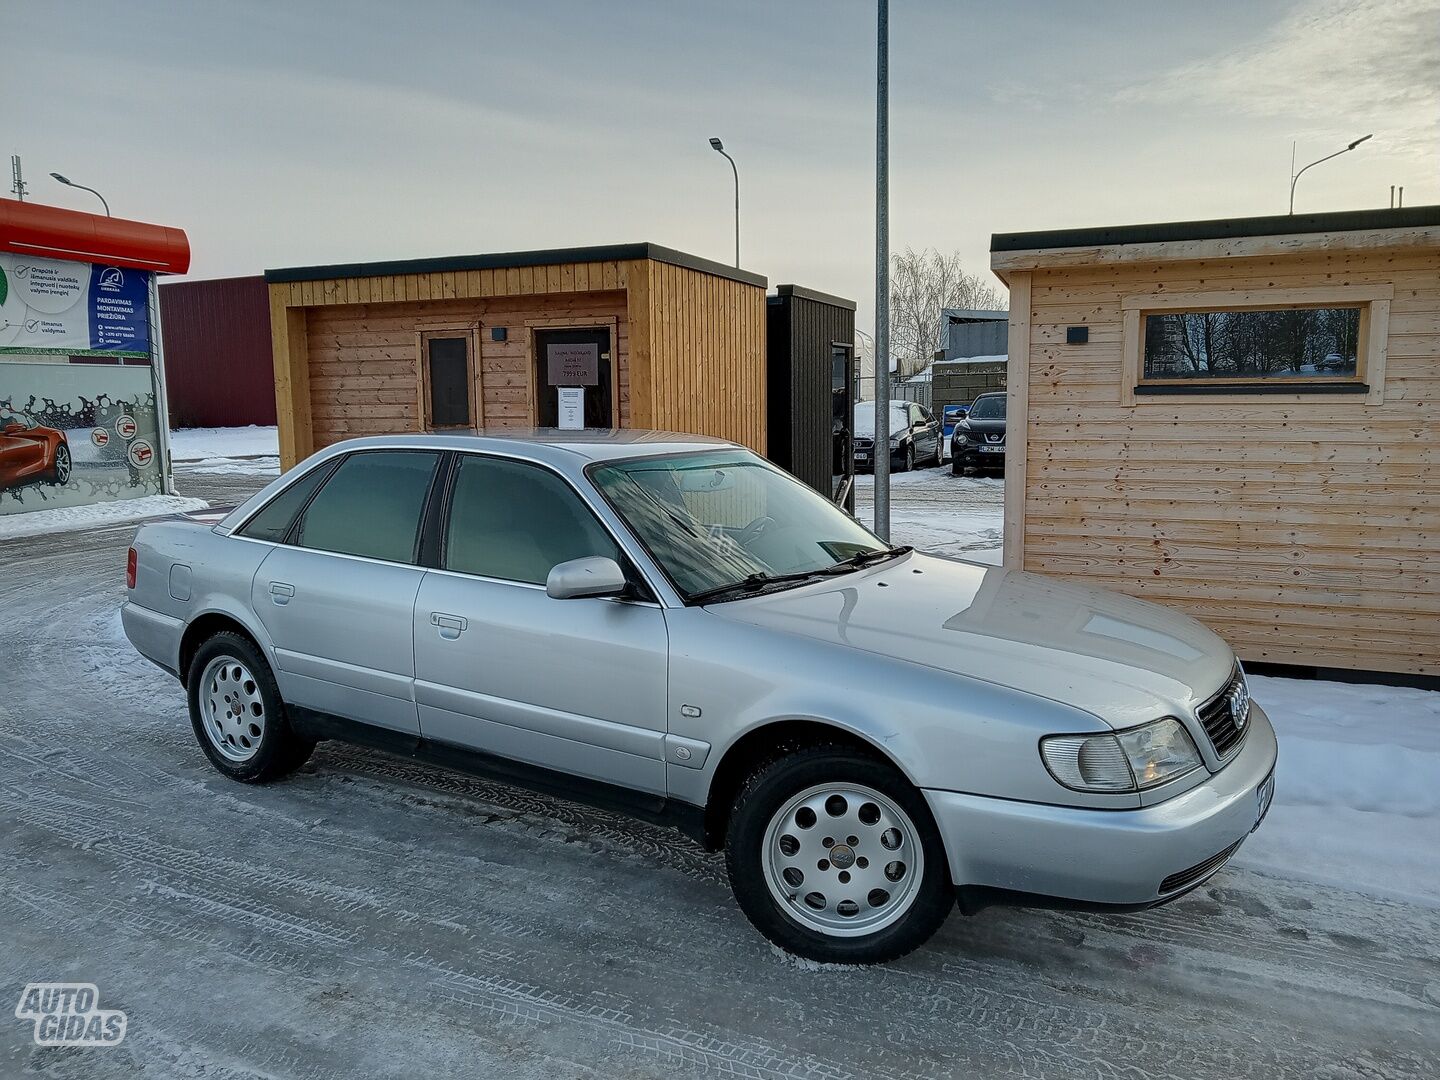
281 592
451 626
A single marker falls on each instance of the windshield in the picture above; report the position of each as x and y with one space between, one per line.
716 519
865 418
988 408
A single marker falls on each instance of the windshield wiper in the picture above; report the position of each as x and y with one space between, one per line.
863 559
759 581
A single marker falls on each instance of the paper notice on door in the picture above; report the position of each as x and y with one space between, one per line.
573 364
572 408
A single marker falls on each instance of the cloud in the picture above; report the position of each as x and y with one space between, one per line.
1331 67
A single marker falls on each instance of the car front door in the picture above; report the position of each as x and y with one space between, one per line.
577 685
337 596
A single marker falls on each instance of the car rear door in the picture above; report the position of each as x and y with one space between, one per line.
338 596
573 685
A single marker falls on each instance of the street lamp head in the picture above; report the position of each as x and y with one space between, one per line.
1358 141
62 179
716 144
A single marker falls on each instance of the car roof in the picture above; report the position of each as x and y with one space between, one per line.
592 444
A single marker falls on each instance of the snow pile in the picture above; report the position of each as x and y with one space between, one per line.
198 444
95 515
1357 788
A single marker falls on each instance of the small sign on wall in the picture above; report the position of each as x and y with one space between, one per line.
572 408
573 364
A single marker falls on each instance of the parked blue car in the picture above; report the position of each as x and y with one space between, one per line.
948 418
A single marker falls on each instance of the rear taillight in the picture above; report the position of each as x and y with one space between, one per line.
132 561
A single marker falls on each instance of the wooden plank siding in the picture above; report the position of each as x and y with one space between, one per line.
706 355
364 367
347 362
1305 529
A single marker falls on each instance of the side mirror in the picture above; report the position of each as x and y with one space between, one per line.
592 576
14 429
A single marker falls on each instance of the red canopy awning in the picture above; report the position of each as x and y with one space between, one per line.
29 228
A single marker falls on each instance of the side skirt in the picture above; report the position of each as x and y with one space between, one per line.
656 809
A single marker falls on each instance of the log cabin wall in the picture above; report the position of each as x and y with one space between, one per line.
1303 527
687 339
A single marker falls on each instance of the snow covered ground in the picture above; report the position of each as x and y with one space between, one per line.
1357 788
95 515
375 916
200 444
932 510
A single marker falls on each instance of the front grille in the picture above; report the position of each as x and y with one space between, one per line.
1217 717
1197 872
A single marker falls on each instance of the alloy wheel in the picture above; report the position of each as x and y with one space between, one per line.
843 860
232 708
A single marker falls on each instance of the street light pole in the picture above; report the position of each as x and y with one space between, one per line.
882 270
82 187
1312 164
719 148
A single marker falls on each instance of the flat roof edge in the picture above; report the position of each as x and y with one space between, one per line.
802 293
1408 217
508 259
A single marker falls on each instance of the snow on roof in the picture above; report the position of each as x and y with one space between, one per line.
993 358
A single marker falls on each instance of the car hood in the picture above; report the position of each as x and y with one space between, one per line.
1123 660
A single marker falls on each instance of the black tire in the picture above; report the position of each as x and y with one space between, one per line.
957 468
767 791
907 461
280 751
60 470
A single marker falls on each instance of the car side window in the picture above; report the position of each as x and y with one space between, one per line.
371 506
514 521
275 519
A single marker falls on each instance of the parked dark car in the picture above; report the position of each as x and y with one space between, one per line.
915 437
978 441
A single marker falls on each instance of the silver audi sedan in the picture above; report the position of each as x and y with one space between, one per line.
672 626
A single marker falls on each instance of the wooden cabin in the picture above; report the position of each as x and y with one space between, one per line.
1238 418
650 337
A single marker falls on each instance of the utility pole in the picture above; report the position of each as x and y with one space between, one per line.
882 271
17 183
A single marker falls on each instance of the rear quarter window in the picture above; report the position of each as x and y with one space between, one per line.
274 521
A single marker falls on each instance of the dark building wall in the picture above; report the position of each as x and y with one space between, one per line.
959 382
218 370
803 327
987 338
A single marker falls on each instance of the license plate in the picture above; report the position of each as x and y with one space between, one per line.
1264 795
992 449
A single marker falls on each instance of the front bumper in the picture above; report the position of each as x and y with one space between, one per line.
970 454
1030 852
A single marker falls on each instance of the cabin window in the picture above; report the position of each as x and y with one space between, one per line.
448 379
1256 343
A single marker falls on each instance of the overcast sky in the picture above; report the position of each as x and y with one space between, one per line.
292 133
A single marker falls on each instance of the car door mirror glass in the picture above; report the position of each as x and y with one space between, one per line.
594 575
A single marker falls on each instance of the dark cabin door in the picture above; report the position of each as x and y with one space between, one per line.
580 357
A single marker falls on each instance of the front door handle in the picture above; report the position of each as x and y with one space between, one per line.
281 592
451 626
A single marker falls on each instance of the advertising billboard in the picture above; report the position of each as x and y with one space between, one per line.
56 307
72 434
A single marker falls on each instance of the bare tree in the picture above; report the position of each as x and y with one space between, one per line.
922 285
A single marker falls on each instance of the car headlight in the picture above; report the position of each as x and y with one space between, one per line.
1126 761
961 437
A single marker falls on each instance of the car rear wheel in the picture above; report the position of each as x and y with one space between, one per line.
61 471
833 856
237 713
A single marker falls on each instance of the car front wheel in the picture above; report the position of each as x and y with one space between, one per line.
238 715
834 856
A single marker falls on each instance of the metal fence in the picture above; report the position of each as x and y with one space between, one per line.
917 390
